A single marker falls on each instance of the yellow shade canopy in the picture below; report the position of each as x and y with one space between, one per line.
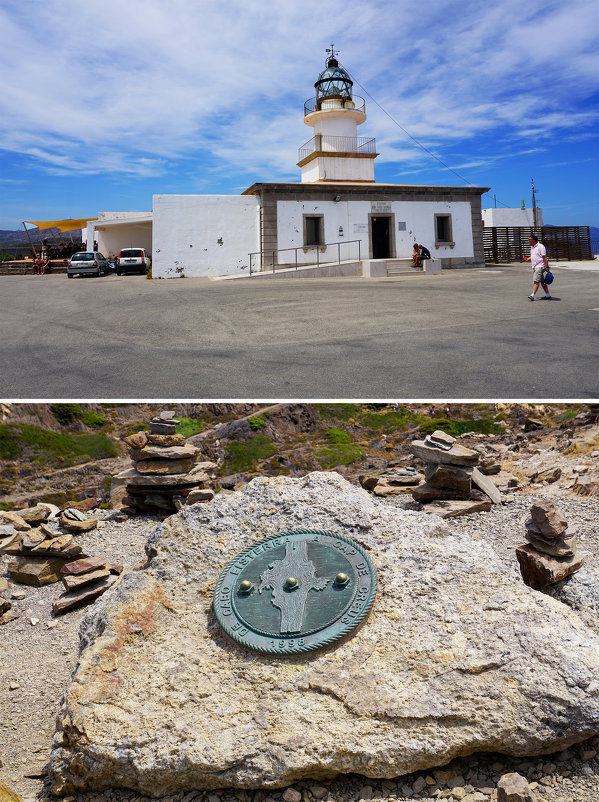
61 225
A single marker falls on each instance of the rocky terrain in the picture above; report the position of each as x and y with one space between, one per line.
543 453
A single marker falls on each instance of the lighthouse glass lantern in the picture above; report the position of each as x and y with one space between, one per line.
336 152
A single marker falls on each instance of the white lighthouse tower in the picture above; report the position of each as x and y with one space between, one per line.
335 152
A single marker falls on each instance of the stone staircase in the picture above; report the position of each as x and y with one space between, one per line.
402 267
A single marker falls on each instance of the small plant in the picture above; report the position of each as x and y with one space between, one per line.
189 426
6 257
242 455
4 505
65 413
92 419
341 450
107 482
338 411
457 427
136 427
257 422
338 436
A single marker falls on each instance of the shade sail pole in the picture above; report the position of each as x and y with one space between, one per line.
29 238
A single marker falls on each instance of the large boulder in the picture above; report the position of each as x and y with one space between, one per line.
456 656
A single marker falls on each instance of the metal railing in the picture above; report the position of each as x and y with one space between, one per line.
354 103
323 143
274 263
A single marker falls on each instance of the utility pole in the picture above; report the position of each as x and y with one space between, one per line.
534 203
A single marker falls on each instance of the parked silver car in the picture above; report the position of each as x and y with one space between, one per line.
87 263
133 260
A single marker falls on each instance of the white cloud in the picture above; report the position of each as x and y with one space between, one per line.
126 87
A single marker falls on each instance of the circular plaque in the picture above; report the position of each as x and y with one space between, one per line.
295 592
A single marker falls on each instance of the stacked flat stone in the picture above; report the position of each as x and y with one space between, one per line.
37 549
550 554
165 471
452 481
85 580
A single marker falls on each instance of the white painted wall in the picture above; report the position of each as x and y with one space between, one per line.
335 124
112 239
204 235
511 217
353 217
331 168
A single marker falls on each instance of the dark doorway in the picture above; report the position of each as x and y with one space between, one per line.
379 227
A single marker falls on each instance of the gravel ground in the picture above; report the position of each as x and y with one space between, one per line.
39 658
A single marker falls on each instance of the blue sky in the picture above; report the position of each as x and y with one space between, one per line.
105 103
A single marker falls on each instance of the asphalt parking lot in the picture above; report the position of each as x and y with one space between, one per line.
466 334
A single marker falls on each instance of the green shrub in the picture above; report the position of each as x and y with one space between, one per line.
338 436
92 419
257 422
458 427
189 426
338 411
338 454
44 446
65 413
6 257
136 427
107 482
390 420
4 505
242 455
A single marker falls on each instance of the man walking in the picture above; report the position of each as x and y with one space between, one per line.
538 259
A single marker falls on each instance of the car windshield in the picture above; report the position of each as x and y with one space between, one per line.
131 252
82 257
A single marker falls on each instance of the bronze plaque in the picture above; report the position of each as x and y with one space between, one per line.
295 592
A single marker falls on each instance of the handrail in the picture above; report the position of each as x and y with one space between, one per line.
305 248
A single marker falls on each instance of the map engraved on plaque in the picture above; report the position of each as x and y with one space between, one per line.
291 600
295 592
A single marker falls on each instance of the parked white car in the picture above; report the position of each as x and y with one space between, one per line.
133 260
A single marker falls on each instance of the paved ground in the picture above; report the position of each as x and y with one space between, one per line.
465 334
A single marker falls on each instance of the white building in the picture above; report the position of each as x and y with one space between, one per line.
337 212
518 218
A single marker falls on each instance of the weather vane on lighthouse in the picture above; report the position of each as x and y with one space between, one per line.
334 53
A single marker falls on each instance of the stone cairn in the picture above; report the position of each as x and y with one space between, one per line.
550 554
42 554
453 484
165 474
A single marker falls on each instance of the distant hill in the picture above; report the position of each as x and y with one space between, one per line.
19 237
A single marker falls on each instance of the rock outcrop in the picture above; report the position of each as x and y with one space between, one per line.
456 656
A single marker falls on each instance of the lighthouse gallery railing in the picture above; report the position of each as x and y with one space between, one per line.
323 143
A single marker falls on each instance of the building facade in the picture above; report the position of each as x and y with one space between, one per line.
337 212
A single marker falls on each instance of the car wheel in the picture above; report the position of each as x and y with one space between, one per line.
69 275
118 272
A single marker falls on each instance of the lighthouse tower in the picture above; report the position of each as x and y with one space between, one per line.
335 152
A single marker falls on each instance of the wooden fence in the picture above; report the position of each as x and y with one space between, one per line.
510 243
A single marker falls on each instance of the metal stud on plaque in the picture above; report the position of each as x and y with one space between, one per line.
295 592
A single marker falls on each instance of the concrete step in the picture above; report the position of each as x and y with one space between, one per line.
402 267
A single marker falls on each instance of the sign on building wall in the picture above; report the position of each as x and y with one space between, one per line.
380 206
360 228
